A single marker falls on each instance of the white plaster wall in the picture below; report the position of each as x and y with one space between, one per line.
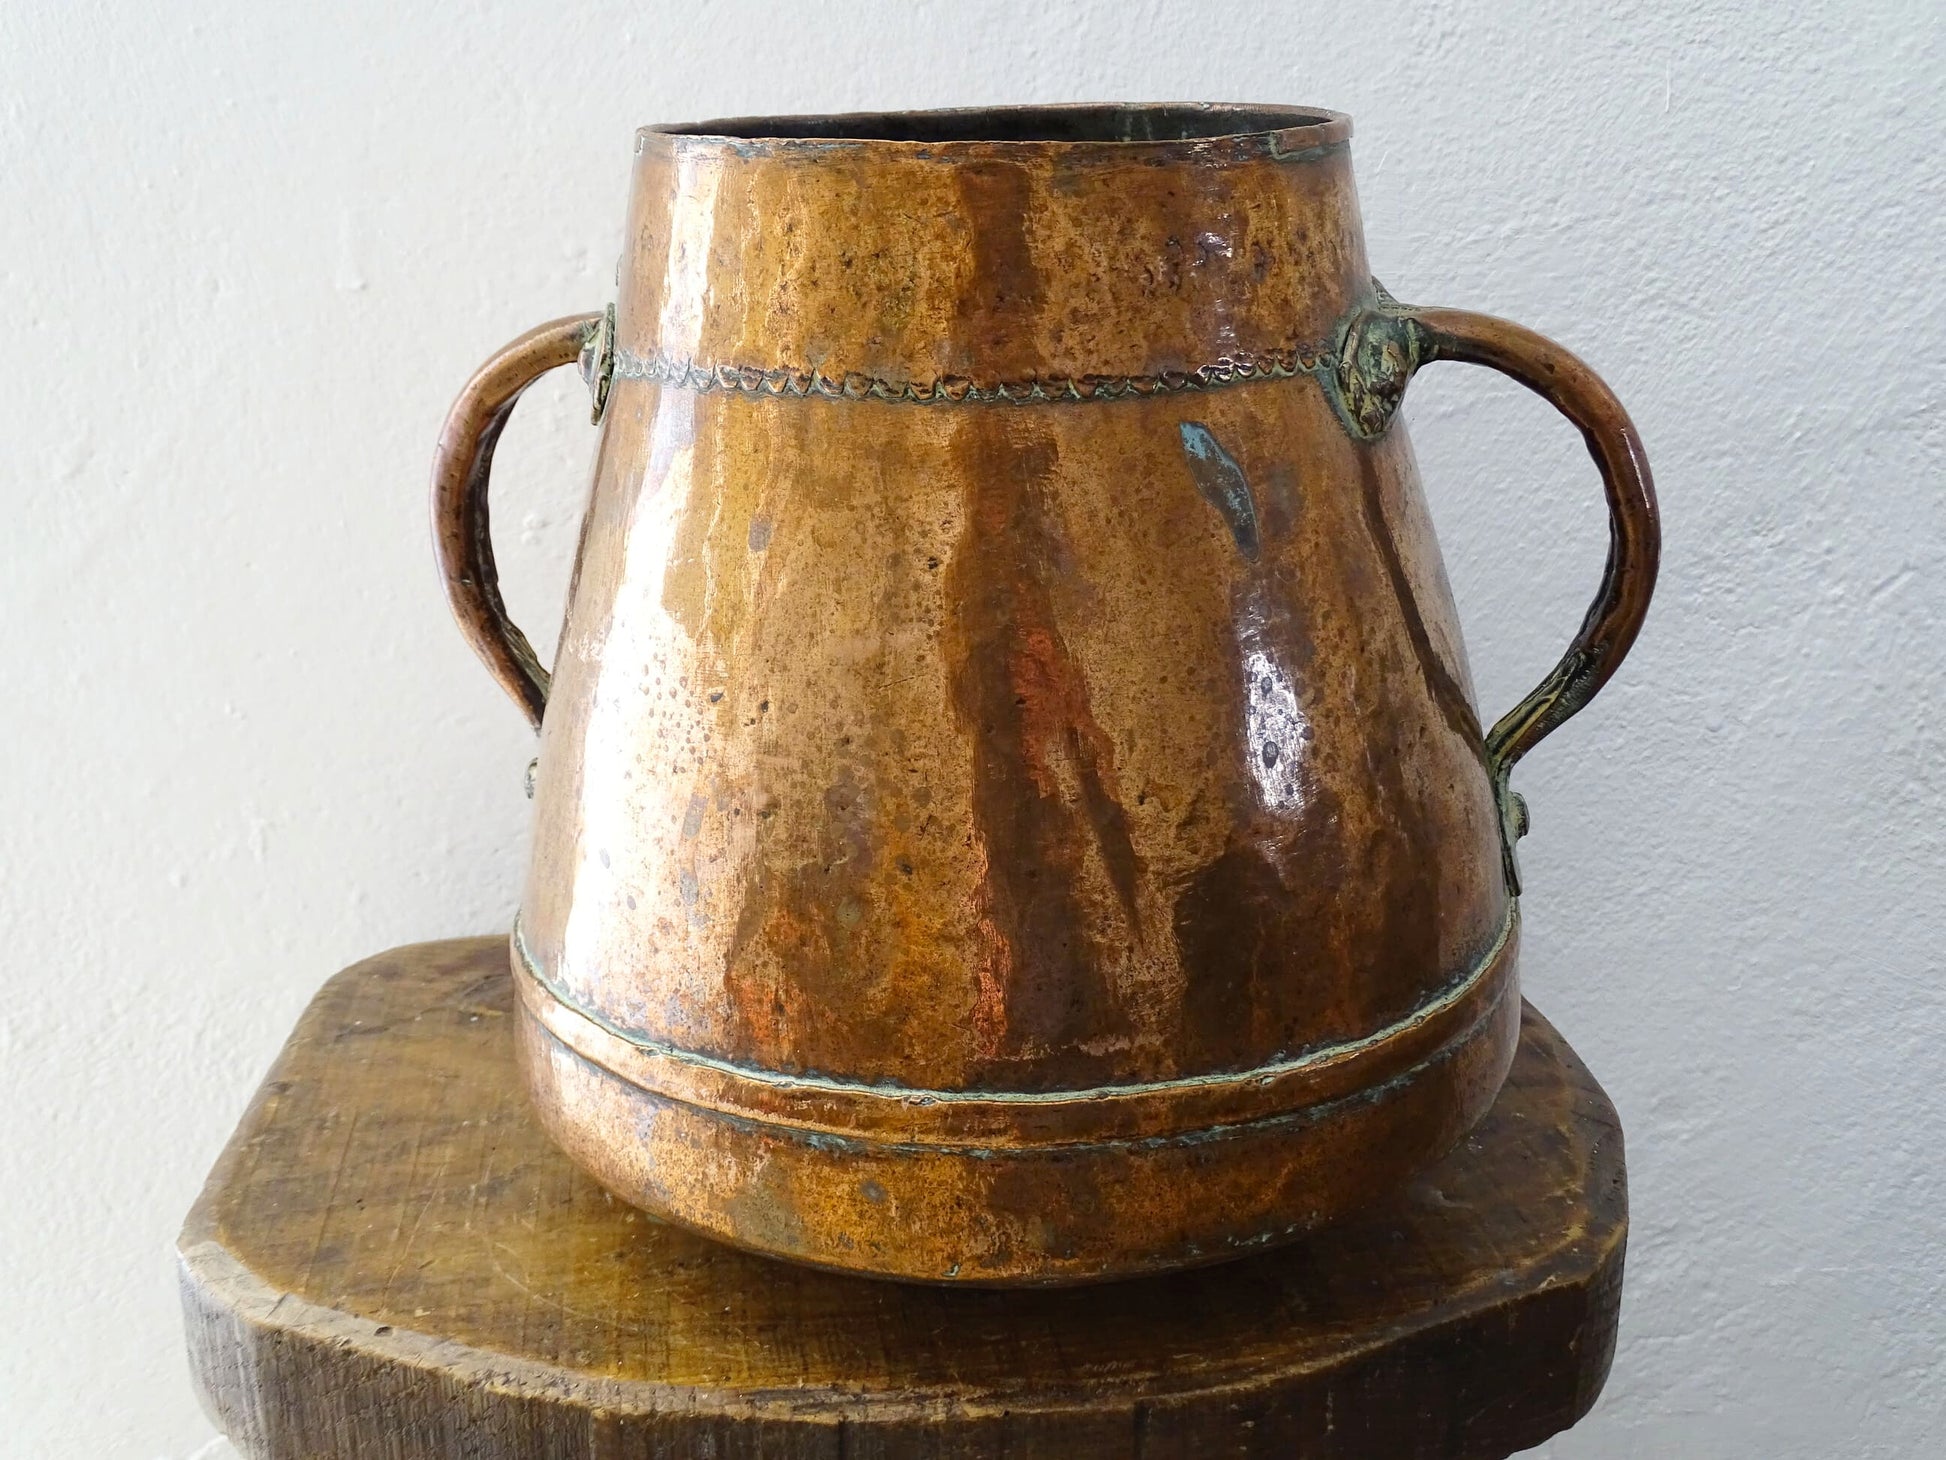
249 251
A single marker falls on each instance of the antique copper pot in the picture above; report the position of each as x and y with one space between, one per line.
1010 804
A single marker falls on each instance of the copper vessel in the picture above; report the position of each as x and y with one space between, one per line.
1010 804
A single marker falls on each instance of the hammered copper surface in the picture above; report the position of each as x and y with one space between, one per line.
1011 805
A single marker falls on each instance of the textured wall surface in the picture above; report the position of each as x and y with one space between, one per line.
248 253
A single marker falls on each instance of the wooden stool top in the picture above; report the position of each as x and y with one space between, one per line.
390 1259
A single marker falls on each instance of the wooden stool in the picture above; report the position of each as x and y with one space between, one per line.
391 1262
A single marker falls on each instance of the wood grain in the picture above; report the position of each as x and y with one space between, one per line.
391 1261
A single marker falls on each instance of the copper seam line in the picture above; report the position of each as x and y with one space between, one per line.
798 382
961 1117
1019 1141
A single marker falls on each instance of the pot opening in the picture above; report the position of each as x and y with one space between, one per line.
1083 123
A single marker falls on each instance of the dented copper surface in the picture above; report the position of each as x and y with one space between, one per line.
1011 806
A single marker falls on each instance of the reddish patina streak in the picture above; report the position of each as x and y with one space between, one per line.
1044 832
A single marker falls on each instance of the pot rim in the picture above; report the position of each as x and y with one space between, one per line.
1182 130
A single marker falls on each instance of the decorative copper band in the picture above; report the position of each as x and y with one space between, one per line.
793 382
1190 1108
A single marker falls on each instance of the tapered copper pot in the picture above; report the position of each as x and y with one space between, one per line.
1010 804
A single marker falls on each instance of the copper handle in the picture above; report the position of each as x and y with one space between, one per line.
460 469
1634 529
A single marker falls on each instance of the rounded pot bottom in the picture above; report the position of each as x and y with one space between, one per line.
1018 1190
